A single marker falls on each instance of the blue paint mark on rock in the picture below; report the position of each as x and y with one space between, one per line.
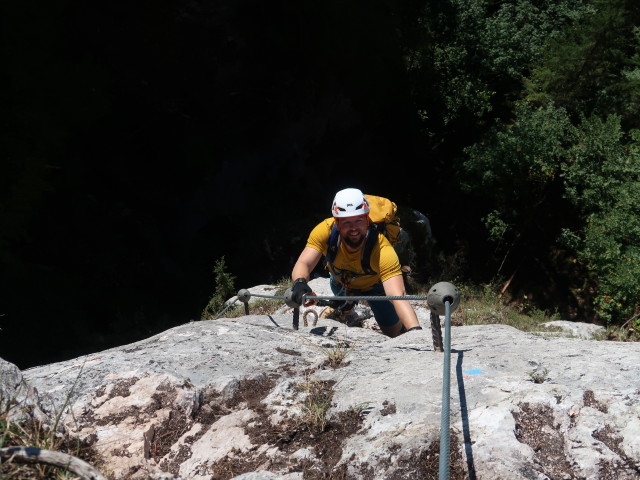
475 371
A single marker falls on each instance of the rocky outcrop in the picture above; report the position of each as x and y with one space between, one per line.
252 398
18 399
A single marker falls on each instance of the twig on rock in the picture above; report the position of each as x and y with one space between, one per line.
57 459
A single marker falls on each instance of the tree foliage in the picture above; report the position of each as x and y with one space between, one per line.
516 167
224 289
573 186
602 179
548 92
466 58
594 67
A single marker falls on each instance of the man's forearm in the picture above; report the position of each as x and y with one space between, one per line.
307 261
300 270
406 313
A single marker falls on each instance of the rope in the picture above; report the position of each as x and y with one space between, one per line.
444 414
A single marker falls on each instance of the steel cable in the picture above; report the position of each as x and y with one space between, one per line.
225 309
443 472
446 385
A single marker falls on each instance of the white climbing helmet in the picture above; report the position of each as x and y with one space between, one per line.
349 202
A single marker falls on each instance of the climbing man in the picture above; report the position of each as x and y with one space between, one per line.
381 274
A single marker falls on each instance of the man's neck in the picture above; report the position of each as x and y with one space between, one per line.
351 249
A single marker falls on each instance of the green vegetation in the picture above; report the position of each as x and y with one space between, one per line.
32 433
317 402
336 351
262 306
619 334
359 408
482 305
538 376
591 172
224 289
550 91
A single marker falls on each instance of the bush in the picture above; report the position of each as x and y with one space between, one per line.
602 178
224 289
564 187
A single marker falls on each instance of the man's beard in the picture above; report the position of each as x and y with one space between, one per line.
353 243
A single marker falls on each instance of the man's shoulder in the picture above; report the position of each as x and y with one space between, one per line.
329 222
386 248
383 241
319 236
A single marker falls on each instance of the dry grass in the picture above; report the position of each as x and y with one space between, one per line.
483 306
336 350
21 427
262 306
480 305
30 432
317 402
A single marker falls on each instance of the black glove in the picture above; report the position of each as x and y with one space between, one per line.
298 289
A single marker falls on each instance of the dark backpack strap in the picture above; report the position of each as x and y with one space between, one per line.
370 242
332 250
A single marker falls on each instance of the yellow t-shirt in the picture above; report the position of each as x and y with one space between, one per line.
347 268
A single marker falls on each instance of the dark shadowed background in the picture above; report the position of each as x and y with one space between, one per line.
143 141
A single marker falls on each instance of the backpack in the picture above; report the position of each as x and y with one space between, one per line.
384 219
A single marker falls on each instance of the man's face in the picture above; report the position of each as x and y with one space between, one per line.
353 230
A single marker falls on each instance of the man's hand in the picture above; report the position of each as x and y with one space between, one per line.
299 289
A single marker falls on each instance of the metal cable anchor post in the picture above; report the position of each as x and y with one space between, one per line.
288 299
244 295
443 299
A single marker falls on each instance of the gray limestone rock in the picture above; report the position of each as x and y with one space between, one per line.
247 397
18 399
574 329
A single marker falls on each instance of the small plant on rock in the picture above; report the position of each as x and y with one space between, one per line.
223 290
359 408
336 352
262 306
317 402
539 377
